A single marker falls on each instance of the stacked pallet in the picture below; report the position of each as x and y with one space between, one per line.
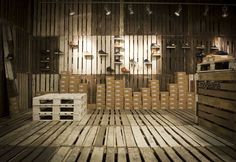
119 94
64 83
137 102
191 100
164 100
110 92
173 99
101 96
146 98
73 84
128 98
155 93
182 81
63 107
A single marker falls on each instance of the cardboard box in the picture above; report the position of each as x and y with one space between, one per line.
164 94
128 90
145 90
103 86
110 78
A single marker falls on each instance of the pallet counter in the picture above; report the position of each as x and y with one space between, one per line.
216 105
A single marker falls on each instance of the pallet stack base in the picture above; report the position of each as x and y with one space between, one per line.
60 107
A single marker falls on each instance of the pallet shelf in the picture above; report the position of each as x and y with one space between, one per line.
228 64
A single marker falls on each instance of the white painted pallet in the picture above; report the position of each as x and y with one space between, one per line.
59 116
60 99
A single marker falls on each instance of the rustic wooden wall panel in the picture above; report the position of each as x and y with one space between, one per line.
92 30
14 15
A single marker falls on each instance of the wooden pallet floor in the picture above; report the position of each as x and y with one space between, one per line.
113 135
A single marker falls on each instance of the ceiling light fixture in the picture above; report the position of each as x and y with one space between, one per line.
130 8
177 13
206 10
108 11
224 11
148 9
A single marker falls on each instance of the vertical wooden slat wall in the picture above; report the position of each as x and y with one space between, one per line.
92 30
18 21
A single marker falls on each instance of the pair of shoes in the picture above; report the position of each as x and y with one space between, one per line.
101 52
58 52
109 69
222 53
154 45
200 54
73 45
132 62
117 60
10 56
124 70
47 51
146 61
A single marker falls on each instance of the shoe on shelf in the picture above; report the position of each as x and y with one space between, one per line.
46 51
109 69
222 53
10 56
132 62
58 52
101 52
154 45
200 54
146 60
117 60
124 70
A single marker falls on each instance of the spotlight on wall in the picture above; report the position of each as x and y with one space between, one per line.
148 9
224 11
177 12
130 8
71 12
108 11
206 10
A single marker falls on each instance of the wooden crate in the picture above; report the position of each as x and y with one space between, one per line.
216 102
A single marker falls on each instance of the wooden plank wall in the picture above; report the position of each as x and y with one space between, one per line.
15 15
92 30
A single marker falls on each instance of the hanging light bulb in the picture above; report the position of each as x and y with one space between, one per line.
224 11
130 8
108 11
206 10
177 13
148 9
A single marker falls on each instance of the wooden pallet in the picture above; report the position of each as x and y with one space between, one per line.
159 135
228 64
216 103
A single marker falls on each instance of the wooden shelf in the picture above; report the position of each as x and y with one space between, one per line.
186 47
118 55
200 47
103 55
148 63
45 61
118 63
119 39
170 47
156 55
